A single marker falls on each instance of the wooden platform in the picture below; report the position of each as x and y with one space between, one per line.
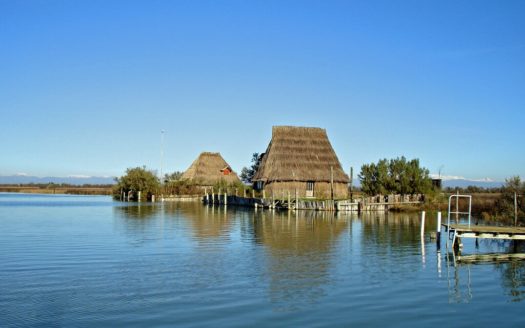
489 232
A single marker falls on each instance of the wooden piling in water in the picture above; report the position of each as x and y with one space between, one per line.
423 215
438 231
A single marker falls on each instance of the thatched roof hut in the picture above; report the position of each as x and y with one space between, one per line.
209 169
299 155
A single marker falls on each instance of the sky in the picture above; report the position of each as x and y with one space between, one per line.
86 87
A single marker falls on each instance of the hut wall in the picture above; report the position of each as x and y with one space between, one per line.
321 189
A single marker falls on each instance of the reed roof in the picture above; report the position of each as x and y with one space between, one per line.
208 169
300 154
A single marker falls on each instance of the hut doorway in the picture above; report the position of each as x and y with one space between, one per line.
310 189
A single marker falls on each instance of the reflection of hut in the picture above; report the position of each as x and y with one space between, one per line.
303 160
206 221
300 253
208 170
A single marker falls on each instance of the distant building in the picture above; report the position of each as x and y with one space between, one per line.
301 159
437 183
208 170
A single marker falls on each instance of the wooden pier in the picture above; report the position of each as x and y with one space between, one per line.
458 231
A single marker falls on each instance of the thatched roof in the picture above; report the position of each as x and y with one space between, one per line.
300 154
208 169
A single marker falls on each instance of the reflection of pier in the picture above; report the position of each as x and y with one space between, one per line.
490 258
461 285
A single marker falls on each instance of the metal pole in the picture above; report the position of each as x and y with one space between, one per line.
161 154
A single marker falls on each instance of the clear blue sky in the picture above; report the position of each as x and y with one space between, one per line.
87 86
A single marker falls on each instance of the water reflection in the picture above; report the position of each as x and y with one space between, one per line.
508 263
300 251
206 221
138 222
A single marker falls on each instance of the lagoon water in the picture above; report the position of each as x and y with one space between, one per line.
88 261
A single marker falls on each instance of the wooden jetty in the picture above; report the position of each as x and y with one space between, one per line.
491 232
458 231
289 202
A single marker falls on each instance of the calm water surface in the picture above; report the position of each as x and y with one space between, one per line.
88 261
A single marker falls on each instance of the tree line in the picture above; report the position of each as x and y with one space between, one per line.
395 176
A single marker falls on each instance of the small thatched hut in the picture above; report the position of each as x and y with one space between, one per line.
208 170
301 160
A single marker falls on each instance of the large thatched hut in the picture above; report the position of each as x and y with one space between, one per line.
301 160
208 170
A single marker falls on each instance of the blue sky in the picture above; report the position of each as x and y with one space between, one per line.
87 86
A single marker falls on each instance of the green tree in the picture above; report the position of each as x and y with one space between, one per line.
505 204
396 176
247 174
135 180
175 176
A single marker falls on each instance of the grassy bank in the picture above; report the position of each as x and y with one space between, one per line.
59 189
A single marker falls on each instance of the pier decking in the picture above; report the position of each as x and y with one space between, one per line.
492 232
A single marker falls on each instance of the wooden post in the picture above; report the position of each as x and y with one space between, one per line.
351 183
236 192
153 198
140 192
264 194
515 209
331 182
226 198
423 214
438 231
253 193
219 197
244 192
296 200
212 196
289 201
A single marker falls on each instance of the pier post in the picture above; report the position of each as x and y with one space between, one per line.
438 231
219 197
153 198
264 194
226 198
212 196
140 192
296 200
515 210
289 201
253 193
423 215
244 192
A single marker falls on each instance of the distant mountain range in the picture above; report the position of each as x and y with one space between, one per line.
72 180
463 183
81 180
